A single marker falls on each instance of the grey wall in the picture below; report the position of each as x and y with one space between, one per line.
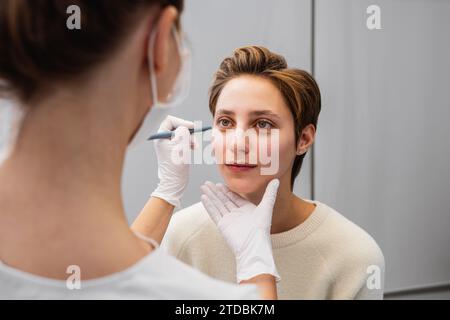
382 151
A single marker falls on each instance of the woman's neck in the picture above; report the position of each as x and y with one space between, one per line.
61 188
289 210
63 150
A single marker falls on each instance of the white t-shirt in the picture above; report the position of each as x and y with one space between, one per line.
156 276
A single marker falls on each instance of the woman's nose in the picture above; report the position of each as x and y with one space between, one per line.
237 140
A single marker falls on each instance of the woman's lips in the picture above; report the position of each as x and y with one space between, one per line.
240 167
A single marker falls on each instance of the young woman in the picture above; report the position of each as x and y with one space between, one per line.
84 95
318 252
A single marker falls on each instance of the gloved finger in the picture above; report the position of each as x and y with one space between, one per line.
235 198
171 123
181 134
215 200
211 209
270 195
221 195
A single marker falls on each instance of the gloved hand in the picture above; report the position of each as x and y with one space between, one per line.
245 227
173 175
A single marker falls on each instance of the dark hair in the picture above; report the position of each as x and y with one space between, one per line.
37 49
298 88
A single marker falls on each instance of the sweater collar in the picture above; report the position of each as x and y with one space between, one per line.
300 232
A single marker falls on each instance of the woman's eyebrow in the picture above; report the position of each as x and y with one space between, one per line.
252 113
225 112
265 113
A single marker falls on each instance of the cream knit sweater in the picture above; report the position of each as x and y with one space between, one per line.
325 257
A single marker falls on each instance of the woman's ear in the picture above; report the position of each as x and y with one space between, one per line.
306 139
163 38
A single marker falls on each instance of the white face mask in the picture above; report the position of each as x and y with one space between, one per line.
161 109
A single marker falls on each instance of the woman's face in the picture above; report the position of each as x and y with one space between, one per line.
253 104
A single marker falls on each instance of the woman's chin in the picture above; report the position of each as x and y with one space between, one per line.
244 186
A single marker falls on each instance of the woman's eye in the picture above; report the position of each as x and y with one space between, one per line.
224 122
263 124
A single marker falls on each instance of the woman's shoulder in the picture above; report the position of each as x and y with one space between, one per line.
351 255
186 225
189 220
195 213
341 239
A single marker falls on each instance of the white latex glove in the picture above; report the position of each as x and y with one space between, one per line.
245 227
173 176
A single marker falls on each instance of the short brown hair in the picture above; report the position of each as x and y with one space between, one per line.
36 48
298 88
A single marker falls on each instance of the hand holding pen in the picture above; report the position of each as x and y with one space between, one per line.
170 134
173 175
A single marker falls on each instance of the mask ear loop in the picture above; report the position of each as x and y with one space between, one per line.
182 84
182 76
151 69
